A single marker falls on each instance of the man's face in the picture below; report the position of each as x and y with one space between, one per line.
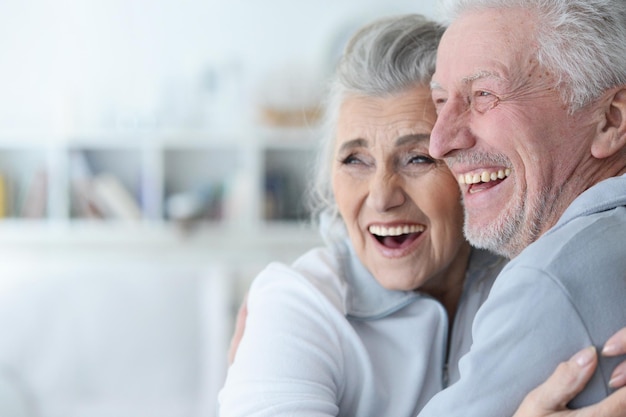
504 131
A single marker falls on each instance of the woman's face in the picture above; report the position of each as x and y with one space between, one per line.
401 207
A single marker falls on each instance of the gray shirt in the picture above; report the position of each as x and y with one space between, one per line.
564 292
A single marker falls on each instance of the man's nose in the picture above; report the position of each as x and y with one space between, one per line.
451 130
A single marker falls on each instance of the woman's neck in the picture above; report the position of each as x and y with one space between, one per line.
449 285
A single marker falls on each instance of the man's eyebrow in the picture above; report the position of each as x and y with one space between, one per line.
480 75
434 85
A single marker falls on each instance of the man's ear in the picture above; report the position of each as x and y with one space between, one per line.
612 136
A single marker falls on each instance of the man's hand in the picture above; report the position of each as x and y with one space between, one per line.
551 397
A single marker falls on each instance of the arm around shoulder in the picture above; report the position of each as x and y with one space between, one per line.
522 332
289 356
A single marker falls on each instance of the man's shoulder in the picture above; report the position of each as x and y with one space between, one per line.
591 241
584 260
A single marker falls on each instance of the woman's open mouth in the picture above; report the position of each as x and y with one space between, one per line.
396 237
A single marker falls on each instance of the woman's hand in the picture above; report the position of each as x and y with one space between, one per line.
240 325
551 397
616 345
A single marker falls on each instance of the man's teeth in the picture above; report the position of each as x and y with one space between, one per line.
484 177
395 230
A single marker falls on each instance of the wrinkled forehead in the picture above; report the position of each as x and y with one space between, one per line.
490 41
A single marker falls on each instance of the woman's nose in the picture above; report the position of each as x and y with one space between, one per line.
386 192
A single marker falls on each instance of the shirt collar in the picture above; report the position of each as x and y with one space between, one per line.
605 195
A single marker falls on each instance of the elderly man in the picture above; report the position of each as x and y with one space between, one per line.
531 102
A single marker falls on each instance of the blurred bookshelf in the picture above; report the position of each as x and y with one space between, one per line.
231 195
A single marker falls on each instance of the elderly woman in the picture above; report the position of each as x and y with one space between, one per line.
365 326
374 323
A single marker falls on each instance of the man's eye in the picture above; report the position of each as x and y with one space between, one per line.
483 101
439 103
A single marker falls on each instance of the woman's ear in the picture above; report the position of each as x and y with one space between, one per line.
612 136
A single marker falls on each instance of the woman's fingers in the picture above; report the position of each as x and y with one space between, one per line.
616 345
240 326
569 378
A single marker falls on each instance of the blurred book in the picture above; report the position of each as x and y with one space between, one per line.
284 199
35 201
82 204
5 196
114 198
100 195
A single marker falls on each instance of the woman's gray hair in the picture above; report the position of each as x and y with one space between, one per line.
383 58
582 42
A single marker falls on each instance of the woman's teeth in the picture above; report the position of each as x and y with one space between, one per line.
395 230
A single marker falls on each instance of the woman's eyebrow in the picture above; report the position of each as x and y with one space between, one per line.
353 143
413 139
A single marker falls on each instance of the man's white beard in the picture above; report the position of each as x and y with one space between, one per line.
511 230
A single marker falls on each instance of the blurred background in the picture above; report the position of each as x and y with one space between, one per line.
154 156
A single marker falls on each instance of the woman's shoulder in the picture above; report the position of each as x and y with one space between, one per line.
316 273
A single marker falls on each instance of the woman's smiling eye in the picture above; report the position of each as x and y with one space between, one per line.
357 159
421 159
350 159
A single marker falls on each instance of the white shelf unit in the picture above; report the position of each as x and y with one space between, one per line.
152 166
258 177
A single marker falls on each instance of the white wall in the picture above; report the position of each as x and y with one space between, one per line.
75 64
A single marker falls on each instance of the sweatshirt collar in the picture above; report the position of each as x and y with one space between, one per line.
365 297
605 195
